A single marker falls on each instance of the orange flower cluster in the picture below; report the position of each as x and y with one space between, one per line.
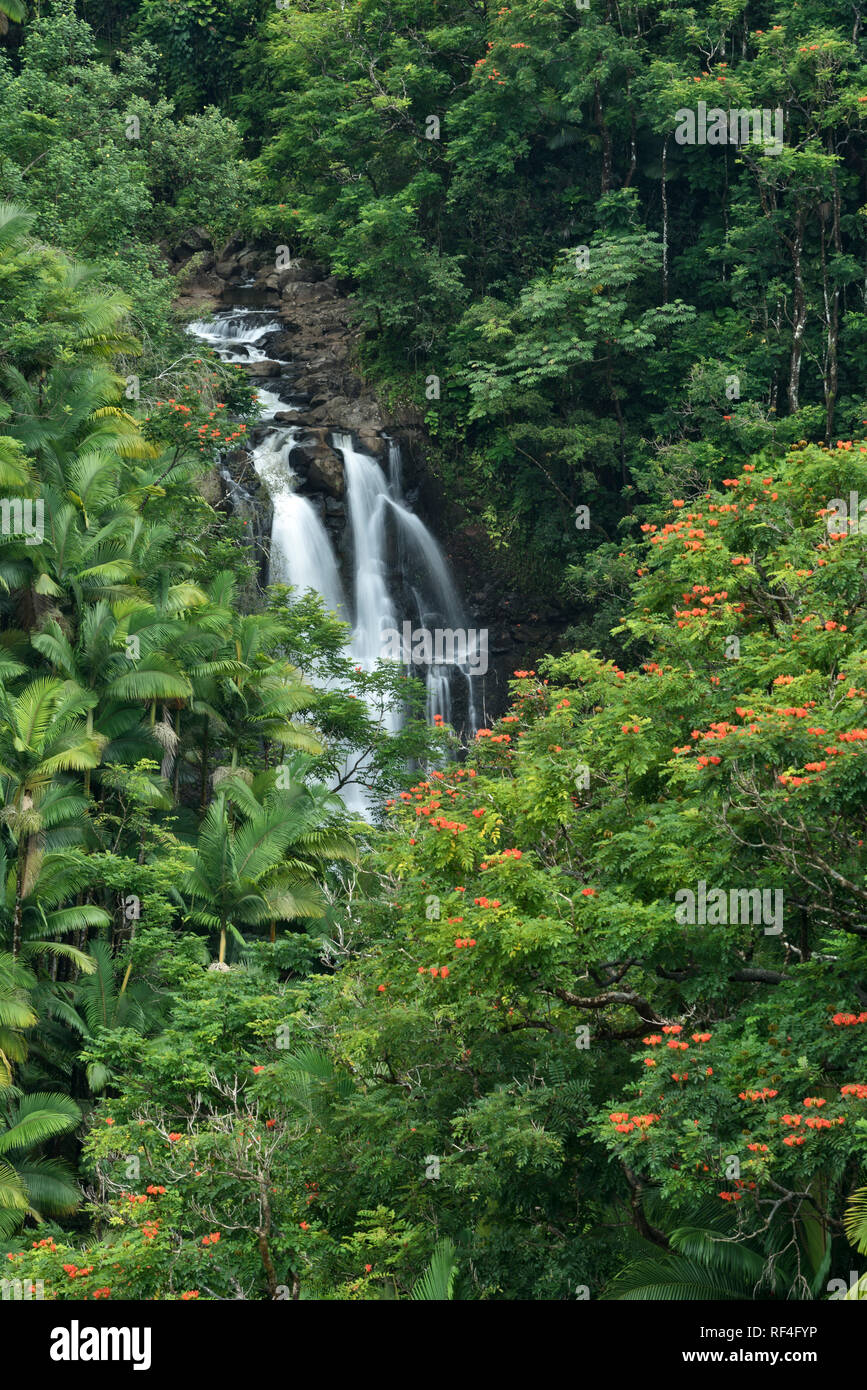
624 1124
495 738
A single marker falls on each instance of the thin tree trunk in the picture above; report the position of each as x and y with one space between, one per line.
177 776
203 797
633 146
800 315
262 1235
833 314
19 906
87 769
664 222
605 137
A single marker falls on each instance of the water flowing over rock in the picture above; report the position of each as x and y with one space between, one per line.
342 527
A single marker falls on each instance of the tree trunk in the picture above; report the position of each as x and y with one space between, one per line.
19 905
664 221
87 769
605 137
832 313
177 776
799 322
203 797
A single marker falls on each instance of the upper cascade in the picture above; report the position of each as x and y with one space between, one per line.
372 559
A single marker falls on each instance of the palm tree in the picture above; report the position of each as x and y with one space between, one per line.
10 9
16 1014
308 811
438 1281
257 700
100 1005
708 1258
41 734
224 881
122 686
255 860
53 877
30 1184
80 318
855 1226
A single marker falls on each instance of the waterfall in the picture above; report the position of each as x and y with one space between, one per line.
367 497
301 553
400 580
236 332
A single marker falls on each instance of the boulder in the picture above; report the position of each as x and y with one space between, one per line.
302 292
313 457
371 443
326 471
205 284
232 247
302 270
197 239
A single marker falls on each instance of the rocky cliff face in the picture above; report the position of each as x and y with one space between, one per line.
313 365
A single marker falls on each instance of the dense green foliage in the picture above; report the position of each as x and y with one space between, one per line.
598 378
583 1011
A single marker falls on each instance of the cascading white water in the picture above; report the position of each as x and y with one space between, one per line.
367 497
234 334
301 553
381 525
417 539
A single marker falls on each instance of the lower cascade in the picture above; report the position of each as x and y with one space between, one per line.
392 583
